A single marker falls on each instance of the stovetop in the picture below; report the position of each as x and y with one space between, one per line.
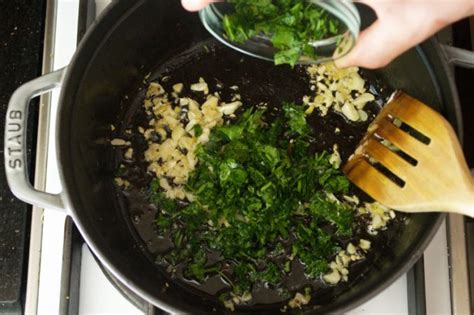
21 46
465 84
22 31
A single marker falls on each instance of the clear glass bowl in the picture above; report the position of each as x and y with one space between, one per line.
260 46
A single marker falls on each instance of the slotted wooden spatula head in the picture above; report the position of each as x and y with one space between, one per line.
410 160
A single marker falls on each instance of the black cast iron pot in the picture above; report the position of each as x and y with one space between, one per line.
131 39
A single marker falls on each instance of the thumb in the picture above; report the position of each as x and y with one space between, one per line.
195 5
377 46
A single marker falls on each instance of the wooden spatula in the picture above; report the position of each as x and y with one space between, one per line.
410 160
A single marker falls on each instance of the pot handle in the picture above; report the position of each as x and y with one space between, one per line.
15 141
458 56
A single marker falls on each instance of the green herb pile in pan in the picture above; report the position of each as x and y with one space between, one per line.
290 24
261 203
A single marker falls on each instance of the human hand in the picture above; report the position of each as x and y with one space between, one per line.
402 24
195 5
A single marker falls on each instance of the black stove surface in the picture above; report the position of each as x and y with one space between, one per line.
463 37
21 45
21 35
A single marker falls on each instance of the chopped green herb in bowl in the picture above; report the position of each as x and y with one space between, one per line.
290 25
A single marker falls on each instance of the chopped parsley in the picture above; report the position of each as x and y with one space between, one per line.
197 130
290 24
261 202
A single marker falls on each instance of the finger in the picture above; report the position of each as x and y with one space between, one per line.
195 5
400 26
378 46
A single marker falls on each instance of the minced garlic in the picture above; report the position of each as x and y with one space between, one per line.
343 90
335 158
119 142
380 215
122 182
128 154
200 87
172 158
178 88
299 300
